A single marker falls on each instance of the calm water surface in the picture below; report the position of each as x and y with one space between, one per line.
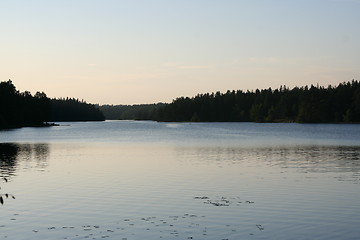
146 180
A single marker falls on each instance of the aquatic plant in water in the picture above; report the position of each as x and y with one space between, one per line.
6 195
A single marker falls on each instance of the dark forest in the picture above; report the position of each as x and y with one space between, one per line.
314 104
71 109
21 109
131 112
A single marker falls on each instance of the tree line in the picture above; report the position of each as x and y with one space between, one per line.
19 109
71 109
131 112
314 104
309 104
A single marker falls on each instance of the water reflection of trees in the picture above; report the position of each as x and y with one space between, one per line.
8 155
14 156
312 159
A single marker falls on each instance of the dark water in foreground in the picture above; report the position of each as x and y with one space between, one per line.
145 180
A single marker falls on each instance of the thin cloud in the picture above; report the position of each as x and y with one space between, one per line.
264 60
195 67
139 76
185 66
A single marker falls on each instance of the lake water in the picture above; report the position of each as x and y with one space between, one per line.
133 180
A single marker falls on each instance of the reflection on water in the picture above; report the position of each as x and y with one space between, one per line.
210 181
8 155
157 191
314 159
13 156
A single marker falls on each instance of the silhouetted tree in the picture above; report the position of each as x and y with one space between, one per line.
22 109
19 109
71 109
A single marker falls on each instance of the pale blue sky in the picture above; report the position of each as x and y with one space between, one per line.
145 51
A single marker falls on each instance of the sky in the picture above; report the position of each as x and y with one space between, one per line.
149 51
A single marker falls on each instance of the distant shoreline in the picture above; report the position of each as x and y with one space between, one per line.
314 104
139 120
29 125
57 124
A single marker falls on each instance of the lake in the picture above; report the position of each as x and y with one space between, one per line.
133 180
